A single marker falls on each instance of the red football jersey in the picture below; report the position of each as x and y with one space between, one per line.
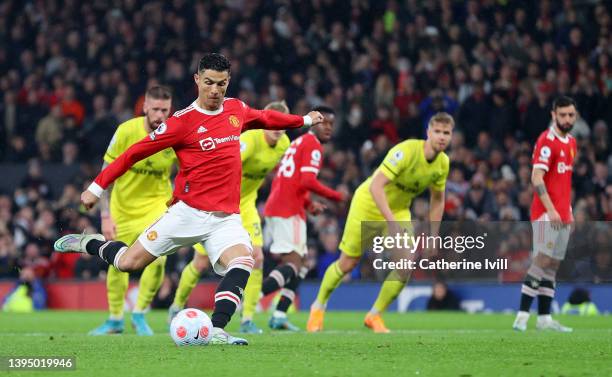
207 145
296 177
555 154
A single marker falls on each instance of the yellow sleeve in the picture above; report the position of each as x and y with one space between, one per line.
440 183
247 145
115 147
395 162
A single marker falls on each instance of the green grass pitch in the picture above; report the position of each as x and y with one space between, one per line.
422 344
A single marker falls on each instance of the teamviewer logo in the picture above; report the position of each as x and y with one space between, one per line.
207 144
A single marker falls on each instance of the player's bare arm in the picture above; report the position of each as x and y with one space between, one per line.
436 210
537 179
377 189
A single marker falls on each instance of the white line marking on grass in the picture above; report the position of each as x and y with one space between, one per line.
434 331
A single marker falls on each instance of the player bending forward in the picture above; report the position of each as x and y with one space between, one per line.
205 209
408 169
551 214
285 213
260 151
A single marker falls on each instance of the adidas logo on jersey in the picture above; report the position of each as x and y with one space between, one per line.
201 130
562 154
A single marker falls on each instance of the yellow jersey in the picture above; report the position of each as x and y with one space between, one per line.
410 174
146 187
258 159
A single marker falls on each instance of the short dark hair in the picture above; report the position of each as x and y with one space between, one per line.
214 61
563 101
324 109
159 92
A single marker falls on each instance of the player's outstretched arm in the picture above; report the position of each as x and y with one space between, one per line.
275 120
309 182
165 136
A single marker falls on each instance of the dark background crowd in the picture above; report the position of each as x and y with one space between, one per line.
71 71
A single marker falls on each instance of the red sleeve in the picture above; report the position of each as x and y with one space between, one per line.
310 182
165 136
269 119
310 164
543 154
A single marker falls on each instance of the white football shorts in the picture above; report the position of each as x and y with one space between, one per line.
182 225
287 233
550 241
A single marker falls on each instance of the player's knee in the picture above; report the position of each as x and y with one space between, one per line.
293 259
200 263
258 257
346 263
245 262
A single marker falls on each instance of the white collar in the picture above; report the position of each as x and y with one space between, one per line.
563 139
207 112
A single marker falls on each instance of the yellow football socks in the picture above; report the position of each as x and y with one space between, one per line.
116 286
188 281
150 281
252 291
331 280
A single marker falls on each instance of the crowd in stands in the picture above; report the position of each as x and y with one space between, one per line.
71 71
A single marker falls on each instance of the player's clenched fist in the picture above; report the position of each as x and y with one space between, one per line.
88 199
316 117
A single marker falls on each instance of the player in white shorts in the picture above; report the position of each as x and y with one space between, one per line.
285 213
205 208
551 214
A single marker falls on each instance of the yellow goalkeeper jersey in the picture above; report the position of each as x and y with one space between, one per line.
410 174
146 187
258 159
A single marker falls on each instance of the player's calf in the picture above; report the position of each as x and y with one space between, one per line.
278 278
279 319
230 290
117 253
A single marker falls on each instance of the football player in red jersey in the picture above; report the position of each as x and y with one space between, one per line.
551 214
285 213
205 205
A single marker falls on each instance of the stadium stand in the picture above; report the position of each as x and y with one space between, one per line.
71 71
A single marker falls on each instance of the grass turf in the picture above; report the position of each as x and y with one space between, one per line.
423 344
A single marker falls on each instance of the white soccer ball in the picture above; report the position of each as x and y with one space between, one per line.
191 327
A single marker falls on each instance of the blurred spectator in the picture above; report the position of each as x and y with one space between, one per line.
27 295
386 69
88 267
579 303
442 298
50 129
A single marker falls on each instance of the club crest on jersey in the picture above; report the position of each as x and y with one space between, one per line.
234 121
